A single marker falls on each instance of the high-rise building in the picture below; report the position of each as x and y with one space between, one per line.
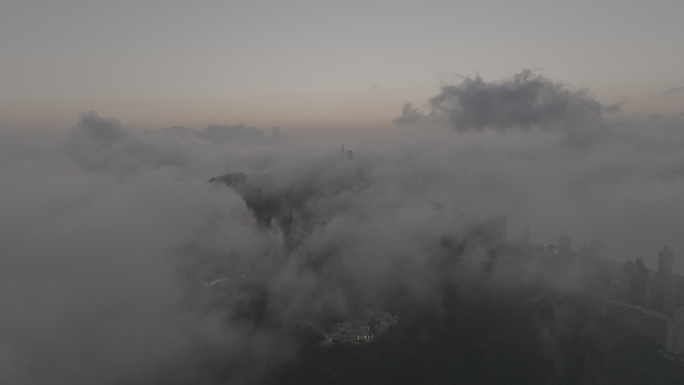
494 225
637 288
665 260
664 297
551 249
565 245
524 238
499 225
593 250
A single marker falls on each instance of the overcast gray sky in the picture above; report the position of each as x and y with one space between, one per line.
328 64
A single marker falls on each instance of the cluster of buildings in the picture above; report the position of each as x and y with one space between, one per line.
648 301
496 227
360 330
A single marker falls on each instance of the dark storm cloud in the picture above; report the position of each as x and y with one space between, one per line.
527 100
104 132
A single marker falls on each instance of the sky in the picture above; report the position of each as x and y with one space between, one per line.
318 64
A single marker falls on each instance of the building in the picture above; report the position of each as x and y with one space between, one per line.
565 245
362 330
675 336
642 320
498 225
524 239
649 302
665 262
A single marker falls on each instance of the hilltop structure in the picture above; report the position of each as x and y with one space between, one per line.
361 330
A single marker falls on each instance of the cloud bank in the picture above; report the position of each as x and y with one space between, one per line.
111 233
527 100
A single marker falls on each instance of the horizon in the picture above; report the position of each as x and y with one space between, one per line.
154 65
